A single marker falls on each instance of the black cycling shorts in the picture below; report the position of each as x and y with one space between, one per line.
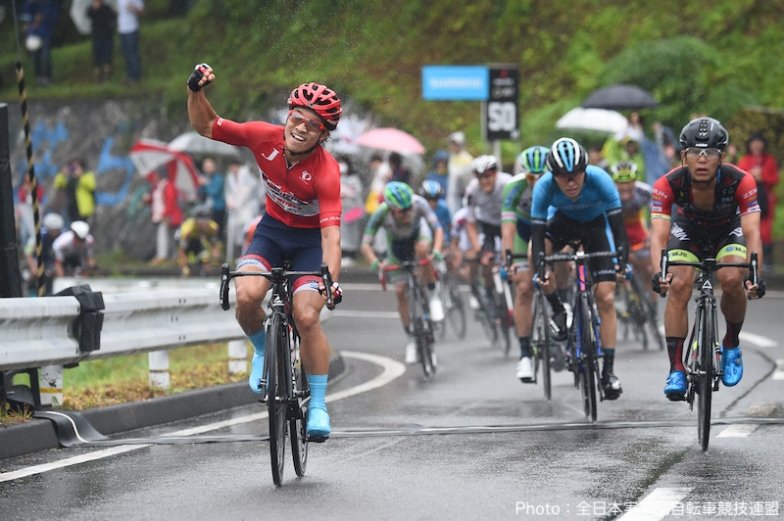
707 241
592 235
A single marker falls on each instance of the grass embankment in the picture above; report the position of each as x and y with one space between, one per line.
125 379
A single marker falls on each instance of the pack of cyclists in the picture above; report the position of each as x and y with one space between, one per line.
557 200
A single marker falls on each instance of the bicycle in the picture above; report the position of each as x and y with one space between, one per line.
583 342
703 354
495 307
637 313
449 292
420 323
284 388
541 338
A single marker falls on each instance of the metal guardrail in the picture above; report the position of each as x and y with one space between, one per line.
36 332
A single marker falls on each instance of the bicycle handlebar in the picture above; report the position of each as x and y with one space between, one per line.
578 256
709 265
275 275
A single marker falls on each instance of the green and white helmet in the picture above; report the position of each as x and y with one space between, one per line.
398 196
533 160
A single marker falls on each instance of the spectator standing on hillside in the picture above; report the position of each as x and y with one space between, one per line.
128 12
77 186
353 210
212 192
440 171
41 16
762 166
165 213
243 203
459 167
104 23
399 172
24 209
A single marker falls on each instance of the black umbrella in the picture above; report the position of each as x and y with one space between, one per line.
620 97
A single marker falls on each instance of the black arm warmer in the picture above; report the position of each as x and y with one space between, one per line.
538 230
615 219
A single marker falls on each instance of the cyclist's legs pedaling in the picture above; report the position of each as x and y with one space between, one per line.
402 250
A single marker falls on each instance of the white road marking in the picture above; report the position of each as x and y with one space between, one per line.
778 374
656 505
392 370
758 340
758 410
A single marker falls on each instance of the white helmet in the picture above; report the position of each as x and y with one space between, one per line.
81 229
482 164
53 221
457 137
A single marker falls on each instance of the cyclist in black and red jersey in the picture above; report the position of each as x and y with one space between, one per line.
718 216
302 223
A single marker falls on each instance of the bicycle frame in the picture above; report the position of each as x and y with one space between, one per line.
418 312
283 385
703 352
583 341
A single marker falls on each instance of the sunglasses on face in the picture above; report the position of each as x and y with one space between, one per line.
313 125
485 175
568 176
401 212
710 153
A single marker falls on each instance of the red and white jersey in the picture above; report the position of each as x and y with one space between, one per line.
307 195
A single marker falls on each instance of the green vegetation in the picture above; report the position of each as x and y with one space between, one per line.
124 379
372 52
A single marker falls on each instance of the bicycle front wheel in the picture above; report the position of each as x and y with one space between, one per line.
705 376
588 361
455 310
423 332
298 424
541 341
277 400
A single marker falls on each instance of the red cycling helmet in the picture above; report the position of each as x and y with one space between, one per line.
322 100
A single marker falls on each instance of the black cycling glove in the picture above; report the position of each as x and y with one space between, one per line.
656 282
196 76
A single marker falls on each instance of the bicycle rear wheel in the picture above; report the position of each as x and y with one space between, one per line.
298 424
277 402
486 316
503 322
455 310
705 382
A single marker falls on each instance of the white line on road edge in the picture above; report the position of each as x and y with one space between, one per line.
656 505
392 370
760 410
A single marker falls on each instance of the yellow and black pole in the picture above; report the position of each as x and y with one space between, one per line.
30 163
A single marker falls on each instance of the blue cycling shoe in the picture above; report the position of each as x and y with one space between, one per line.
318 425
732 365
675 390
256 372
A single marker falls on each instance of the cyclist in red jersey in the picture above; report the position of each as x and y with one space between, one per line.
301 224
718 216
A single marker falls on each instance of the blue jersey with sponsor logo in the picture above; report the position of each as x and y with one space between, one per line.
598 195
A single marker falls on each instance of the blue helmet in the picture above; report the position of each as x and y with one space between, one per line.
430 189
566 156
441 155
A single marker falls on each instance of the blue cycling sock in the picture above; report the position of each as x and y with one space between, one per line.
259 341
318 390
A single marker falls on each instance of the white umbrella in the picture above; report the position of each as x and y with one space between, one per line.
150 154
195 143
596 120
79 17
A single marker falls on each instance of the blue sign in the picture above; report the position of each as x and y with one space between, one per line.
455 83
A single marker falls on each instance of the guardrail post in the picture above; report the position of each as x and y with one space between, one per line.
238 357
51 386
159 369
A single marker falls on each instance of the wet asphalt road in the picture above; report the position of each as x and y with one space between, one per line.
414 449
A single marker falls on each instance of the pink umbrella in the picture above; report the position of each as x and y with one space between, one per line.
150 154
391 139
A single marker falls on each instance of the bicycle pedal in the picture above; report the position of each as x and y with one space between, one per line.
317 439
676 397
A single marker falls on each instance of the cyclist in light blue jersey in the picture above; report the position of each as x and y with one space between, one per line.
586 200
